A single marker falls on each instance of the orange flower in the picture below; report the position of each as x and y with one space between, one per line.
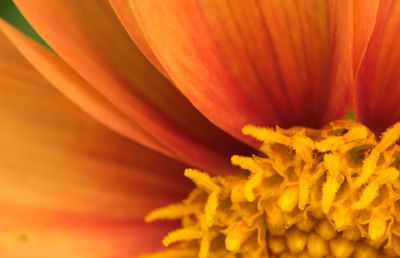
166 85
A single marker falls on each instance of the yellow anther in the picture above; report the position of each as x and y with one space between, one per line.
325 230
333 182
277 244
236 236
307 179
376 228
289 199
205 244
306 224
303 146
202 180
317 246
211 208
304 192
352 234
342 217
204 248
368 168
388 138
341 247
371 191
368 195
252 183
334 142
332 164
296 240
173 211
266 135
237 194
275 220
247 163
388 175
329 190
181 235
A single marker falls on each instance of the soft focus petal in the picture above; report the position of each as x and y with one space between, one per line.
74 87
257 62
47 234
70 187
90 38
377 93
52 154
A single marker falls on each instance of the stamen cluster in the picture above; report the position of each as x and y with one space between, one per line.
332 192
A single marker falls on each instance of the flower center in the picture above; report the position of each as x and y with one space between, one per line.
308 193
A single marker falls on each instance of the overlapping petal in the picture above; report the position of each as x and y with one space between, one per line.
125 15
377 93
364 22
258 62
94 43
70 187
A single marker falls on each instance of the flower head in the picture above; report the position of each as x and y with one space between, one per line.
171 84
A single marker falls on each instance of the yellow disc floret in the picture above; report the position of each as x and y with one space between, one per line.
332 192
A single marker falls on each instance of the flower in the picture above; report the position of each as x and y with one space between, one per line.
181 79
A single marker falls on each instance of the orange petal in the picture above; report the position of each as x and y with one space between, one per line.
74 87
125 15
94 43
27 232
364 23
257 62
377 92
69 186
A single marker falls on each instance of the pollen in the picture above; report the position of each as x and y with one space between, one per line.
331 192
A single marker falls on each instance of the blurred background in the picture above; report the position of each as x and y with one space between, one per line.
10 13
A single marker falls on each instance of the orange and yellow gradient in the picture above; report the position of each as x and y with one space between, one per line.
97 130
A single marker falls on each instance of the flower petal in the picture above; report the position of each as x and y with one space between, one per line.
73 86
70 186
28 232
364 23
56 152
255 62
94 43
377 92
125 15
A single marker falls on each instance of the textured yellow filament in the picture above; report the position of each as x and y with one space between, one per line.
333 192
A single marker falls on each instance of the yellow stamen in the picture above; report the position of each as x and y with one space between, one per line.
333 192
288 199
173 211
202 180
296 240
341 247
277 244
376 228
235 237
317 246
183 234
266 135
211 208
247 163
333 182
